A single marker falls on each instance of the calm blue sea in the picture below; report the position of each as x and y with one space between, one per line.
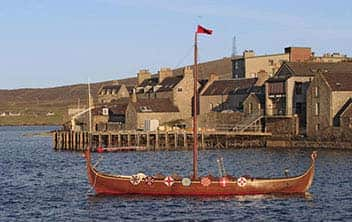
40 184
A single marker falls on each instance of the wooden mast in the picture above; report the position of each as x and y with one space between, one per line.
89 116
195 110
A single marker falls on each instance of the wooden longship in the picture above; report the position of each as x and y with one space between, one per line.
206 186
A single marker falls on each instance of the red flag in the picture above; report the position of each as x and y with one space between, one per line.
201 29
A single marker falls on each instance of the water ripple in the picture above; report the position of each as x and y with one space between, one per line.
39 184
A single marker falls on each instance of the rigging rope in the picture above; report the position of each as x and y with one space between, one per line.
189 51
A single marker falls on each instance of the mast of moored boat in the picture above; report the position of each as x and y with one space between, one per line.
195 127
89 116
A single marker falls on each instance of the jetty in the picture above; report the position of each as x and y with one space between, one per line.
157 140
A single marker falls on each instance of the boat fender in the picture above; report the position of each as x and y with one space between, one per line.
186 182
242 181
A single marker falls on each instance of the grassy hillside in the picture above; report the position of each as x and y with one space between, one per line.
35 104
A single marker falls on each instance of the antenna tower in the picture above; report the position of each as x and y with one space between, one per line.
234 48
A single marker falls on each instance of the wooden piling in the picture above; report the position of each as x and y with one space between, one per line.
128 139
157 140
167 140
202 140
109 140
185 140
148 141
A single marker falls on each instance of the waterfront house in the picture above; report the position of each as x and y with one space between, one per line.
286 92
178 89
142 111
110 116
329 101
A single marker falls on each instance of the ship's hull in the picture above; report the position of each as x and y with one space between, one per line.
143 185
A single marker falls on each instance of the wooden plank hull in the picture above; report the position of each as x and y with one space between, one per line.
139 184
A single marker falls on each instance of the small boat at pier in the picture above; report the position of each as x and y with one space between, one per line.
121 149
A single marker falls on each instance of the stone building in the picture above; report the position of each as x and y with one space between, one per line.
343 117
251 66
329 101
178 89
224 95
254 103
115 91
286 92
331 57
110 116
141 110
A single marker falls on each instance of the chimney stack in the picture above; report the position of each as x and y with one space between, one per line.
188 72
164 73
142 75
248 53
134 96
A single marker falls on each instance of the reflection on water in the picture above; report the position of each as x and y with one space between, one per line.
38 183
94 198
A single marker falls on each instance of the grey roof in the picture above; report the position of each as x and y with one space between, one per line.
229 86
308 69
339 81
169 83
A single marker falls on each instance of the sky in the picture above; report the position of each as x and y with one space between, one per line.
45 43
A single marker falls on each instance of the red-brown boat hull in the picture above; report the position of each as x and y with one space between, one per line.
111 184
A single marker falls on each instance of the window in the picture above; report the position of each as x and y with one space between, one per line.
179 89
211 106
316 89
299 108
298 88
271 62
250 108
236 65
317 109
317 127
